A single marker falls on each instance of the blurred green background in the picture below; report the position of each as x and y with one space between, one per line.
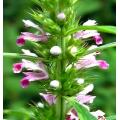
103 11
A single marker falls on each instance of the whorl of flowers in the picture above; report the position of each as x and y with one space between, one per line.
60 61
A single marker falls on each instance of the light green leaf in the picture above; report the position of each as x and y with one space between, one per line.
106 46
105 29
22 56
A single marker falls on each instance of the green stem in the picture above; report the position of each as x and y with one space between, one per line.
103 47
60 70
21 56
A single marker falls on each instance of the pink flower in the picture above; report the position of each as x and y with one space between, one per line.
31 37
82 34
99 114
98 39
49 98
24 82
20 41
89 61
72 115
17 67
86 34
34 76
85 98
82 96
103 64
36 71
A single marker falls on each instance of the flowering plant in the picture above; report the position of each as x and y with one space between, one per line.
59 61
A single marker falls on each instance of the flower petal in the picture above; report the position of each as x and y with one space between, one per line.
98 39
25 82
29 23
17 67
87 90
50 98
33 37
34 76
27 52
85 98
103 64
20 41
98 114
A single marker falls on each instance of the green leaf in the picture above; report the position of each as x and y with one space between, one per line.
22 56
83 113
105 29
113 117
106 46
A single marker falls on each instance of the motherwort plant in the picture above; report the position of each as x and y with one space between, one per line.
62 52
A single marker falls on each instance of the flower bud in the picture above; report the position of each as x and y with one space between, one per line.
61 16
55 50
80 80
40 105
55 83
73 50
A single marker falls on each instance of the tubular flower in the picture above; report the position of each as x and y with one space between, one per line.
83 34
35 71
82 96
49 98
99 115
30 37
89 61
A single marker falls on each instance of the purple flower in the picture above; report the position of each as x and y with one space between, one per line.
98 39
86 62
103 64
20 41
30 37
34 76
85 98
35 71
98 114
72 115
24 82
82 34
82 96
49 98
89 61
17 67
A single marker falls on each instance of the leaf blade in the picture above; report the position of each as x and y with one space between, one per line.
105 29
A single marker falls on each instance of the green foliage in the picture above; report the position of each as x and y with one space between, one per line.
48 21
